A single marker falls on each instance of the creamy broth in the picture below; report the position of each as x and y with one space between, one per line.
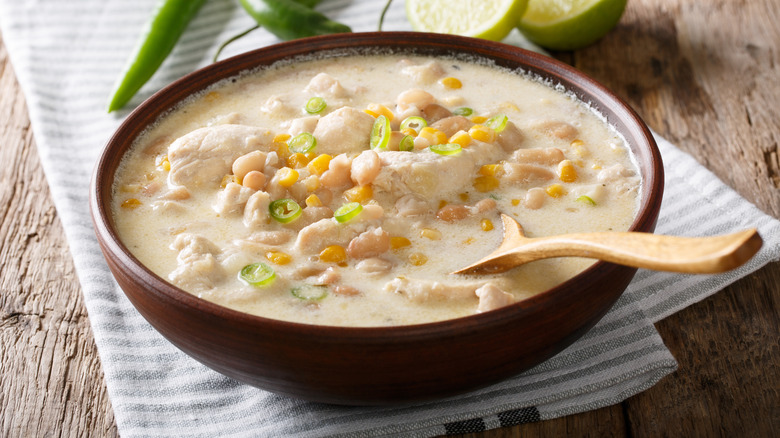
195 199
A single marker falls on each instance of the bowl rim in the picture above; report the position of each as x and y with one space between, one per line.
166 292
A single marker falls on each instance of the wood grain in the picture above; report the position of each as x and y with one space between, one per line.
702 73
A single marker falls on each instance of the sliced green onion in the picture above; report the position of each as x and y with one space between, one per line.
380 133
586 199
309 292
257 274
407 144
463 111
285 210
315 105
414 122
348 212
497 122
445 148
302 143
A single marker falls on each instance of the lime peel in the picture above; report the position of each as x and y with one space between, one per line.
487 19
569 24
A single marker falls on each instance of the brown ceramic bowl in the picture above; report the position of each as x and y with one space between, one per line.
384 365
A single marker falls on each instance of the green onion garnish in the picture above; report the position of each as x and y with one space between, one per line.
302 143
497 122
309 292
414 122
586 199
407 144
257 274
380 133
285 210
348 211
463 111
315 105
445 148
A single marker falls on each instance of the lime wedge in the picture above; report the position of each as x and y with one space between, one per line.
569 24
488 19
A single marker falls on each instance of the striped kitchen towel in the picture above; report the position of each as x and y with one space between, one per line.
67 56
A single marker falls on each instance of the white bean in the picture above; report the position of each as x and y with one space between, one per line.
244 164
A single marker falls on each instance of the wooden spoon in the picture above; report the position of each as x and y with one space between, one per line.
695 255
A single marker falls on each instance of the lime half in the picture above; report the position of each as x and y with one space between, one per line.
488 19
569 24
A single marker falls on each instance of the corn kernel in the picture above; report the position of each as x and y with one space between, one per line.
430 233
482 133
227 179
515 202
313 201
278 257
312 183
297 160
281 138
418 259
361 194
462 138
286 177
510 106
381 110
333 254
484 184
398 242
442 203
464 196
409 131
163 163
319 165
555 190
486 224
578 148
479 119
371 113
131 203
566 171
433 135
281 149
491 170
451 83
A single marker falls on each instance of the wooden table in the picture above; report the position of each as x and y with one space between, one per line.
705 74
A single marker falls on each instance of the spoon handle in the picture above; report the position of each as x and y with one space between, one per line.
644 250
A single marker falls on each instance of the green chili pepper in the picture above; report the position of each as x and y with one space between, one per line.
348 212
161 33
284 210
289 19
302 143
257 274
315 105
497 122
407 144
380 133
309 292
446 148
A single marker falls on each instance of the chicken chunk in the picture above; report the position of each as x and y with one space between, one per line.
205 156
426 290
491 297
256 210
232 199
198 268
325 232
344 130
326 85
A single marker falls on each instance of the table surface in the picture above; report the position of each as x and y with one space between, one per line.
705 74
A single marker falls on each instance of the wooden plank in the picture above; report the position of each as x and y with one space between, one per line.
702 74
51 382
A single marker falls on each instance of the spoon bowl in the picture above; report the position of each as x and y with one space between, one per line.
693 255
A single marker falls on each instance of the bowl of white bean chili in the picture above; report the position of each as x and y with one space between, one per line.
290 217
